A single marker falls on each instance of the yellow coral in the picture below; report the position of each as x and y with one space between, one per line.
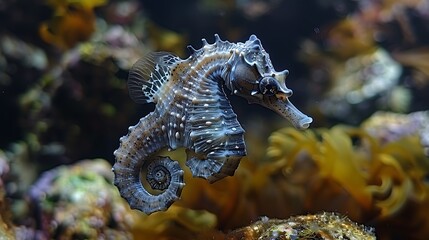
383 177
73 21
59 5
334 156
175 223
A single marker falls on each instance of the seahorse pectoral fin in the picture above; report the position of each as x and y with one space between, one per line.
149 74
282 106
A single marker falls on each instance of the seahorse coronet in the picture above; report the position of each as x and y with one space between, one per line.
192 112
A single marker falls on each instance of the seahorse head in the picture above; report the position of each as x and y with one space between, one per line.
249 73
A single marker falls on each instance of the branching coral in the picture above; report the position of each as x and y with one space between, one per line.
383 175
383 179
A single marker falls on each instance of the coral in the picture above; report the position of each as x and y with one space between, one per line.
16 184
347 38
363 76
109 42
72 22
8 205
337 158
4 170
417 60
394 22
76 100
30 55
396 26
6 232
6 228
374 59
80 202
390 127
379 181
175 223
320 226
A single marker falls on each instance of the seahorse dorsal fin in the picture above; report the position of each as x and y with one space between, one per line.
149 74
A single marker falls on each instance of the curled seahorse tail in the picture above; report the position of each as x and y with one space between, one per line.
128 182
162 174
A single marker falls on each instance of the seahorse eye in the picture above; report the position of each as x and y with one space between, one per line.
268 86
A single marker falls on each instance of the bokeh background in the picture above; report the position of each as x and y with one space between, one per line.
360 69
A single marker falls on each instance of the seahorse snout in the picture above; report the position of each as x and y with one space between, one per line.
286 109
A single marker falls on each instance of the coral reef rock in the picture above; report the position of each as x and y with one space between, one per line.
323 226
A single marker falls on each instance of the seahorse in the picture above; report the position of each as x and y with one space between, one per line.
193 112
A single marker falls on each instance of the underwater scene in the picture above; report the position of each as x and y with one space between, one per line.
199 119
